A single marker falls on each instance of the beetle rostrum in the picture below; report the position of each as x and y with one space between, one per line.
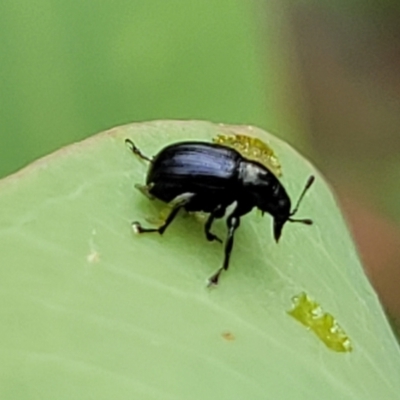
209 177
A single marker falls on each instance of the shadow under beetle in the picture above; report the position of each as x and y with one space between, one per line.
209 177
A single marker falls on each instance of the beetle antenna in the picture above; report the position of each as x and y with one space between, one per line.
136 151
305 221
308 185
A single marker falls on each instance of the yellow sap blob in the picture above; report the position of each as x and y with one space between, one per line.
253 149
324 325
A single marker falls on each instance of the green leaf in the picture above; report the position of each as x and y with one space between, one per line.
90 310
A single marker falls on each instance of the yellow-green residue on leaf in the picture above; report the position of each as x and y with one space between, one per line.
253 149
166 210
324 325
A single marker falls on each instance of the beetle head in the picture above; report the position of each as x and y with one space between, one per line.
269 195
282 212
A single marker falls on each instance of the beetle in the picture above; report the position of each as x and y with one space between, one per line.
210 177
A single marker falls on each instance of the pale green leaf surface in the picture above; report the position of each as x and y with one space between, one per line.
90 310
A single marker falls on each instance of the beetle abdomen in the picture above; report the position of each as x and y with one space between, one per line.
197 167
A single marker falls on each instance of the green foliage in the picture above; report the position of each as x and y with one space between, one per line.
73 68
92 311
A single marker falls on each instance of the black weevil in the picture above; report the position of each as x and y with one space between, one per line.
209 177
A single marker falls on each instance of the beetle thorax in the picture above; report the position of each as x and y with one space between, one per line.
251 174
264 188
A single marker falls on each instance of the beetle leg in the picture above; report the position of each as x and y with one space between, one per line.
176 205
233 223
217 213
209 235
136 151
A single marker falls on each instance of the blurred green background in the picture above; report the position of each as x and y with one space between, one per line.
71 69
323 75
